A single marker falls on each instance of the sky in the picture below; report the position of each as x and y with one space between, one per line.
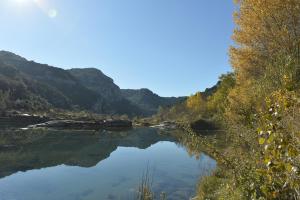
173 47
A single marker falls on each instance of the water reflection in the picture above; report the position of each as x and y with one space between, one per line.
40 164
34 149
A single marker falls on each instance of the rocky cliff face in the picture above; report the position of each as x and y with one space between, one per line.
98 82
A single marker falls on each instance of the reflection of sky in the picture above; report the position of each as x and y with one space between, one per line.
174 172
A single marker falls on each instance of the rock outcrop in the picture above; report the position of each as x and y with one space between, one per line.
85 125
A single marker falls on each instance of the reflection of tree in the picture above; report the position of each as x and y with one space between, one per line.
196 144
192 143
34 149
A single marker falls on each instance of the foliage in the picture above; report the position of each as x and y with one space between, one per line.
279 136
218 185
218 102
266 61
196 103
210 104
267 32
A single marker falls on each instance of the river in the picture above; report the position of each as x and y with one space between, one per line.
96 165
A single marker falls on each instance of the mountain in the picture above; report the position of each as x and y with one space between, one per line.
98 82
148 100
55 85
29 85
143 99
17 91
104 86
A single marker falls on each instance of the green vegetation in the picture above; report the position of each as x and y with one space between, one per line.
210 104
258 104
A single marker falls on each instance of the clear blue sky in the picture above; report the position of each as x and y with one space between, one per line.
173 47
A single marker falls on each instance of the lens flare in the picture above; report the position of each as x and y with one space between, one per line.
41 4
52 13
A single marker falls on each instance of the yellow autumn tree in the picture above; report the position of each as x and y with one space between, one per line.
264 103
267 34
266 50
196 103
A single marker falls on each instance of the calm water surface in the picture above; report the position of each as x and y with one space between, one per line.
86 165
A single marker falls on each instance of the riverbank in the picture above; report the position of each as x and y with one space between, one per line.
60 120
218 145
221 183
86 125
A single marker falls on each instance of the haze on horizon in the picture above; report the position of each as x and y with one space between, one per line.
172 47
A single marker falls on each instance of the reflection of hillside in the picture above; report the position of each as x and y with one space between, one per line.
34 149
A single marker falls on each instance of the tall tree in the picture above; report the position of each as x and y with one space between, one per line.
267 34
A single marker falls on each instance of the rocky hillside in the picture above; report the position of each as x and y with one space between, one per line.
98 82
29 85
148 100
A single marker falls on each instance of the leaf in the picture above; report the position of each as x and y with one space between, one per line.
289 167
270 139
267 160
261 141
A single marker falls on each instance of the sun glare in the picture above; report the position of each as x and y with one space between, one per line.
42 4
21 1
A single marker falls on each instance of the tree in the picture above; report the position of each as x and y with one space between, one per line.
266 60
218 101
266 52
267 34
196 103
